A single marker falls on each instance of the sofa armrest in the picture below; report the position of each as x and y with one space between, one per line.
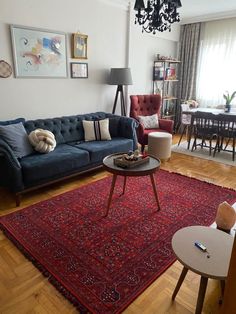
10 168
127 128
167 125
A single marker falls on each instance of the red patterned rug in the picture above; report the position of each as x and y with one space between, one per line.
102 264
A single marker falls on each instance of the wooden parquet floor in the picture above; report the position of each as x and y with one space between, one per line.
23 289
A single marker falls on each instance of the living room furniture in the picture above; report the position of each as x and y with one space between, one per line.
205 127
227 131
159 145
145 169
120 77
72 154
185 121
164 78
147 105
213 263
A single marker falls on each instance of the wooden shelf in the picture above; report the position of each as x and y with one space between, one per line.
168 98
167 60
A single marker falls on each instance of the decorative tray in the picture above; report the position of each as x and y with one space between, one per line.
124 163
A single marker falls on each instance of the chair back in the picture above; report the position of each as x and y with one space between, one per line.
144 105
205 123
185 117
227 125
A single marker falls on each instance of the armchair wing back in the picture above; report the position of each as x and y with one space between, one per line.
147 105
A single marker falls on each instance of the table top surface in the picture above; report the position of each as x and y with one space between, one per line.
210 110
140 170
219 246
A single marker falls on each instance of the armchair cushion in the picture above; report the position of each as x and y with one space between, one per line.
149 122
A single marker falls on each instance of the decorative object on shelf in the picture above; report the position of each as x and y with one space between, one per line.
228 98
5 69
157 15
225 217
38 52
120 77
79 46
131 159
79 70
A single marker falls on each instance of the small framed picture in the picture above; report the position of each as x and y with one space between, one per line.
79 46
79 70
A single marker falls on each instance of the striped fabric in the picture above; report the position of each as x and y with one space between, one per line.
96 130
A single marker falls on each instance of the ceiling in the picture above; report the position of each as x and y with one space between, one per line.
199 10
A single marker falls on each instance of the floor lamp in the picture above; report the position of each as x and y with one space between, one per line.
120 77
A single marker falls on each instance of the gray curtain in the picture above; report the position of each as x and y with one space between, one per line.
189 46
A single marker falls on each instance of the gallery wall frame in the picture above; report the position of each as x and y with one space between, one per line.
79 70
39 53
79 46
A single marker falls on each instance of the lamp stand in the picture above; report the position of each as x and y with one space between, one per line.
122 100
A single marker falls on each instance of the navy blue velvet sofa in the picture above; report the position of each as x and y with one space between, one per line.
71 156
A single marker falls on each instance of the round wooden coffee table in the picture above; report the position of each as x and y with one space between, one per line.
146 169
211 264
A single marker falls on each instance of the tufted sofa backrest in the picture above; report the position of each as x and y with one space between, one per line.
65 129
144 105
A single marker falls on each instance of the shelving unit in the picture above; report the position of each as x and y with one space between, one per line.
164 78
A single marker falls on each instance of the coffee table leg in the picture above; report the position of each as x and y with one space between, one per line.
155 191
180 281
124 185
111 193
201 294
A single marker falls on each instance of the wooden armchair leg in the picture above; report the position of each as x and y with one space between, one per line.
18 199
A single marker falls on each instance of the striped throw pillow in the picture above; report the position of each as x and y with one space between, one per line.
96 130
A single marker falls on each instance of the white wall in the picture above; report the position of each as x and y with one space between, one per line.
107 27
33 98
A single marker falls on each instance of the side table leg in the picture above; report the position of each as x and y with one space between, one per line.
111 193
222 285
201 294
180 281
155 191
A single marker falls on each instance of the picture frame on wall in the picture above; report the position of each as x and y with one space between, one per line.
79 46
79 70
39 53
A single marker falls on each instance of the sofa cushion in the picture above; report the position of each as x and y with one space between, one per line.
16 137
100 149
64 160
96 130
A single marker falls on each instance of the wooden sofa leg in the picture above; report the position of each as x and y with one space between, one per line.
18 199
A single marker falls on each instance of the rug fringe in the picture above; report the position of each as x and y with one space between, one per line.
66 293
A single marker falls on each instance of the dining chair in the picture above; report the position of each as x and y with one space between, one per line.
227 133
185 121
206 129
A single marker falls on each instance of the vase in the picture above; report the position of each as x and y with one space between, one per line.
227 107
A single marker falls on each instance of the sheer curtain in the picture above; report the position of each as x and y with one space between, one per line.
217 62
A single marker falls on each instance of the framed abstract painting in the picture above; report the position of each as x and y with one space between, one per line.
38 52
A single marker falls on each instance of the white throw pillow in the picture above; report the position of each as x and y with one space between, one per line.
96 130
43 141
149 122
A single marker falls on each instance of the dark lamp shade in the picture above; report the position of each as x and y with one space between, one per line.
120 76
139 5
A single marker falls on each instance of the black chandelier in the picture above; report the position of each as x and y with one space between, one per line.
158 15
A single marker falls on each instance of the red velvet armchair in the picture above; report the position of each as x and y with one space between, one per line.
147 105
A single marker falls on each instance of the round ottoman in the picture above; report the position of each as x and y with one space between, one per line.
159 145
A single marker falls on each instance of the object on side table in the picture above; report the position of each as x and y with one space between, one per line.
130 160
225 217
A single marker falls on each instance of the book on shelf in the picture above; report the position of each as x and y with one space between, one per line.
170 73
158 73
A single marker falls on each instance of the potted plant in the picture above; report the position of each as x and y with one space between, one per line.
228 98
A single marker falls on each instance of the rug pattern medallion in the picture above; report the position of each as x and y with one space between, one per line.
102 264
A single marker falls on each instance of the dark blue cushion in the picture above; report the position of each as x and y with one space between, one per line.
64 160
18 120
100 149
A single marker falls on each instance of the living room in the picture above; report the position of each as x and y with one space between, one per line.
113 41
